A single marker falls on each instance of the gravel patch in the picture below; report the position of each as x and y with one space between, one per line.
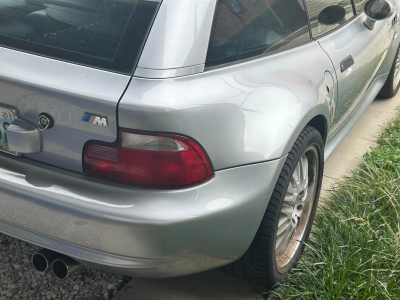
19 280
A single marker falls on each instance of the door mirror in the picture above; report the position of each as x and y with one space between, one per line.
376 10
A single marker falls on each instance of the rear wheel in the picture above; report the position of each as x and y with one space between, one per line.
392 83
287 222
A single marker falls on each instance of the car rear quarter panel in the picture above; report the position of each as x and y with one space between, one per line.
241 114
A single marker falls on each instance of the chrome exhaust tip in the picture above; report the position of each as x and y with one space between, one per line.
43 260
64 266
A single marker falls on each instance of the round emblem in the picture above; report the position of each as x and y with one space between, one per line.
45 121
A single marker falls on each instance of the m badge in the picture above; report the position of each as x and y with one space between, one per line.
95 120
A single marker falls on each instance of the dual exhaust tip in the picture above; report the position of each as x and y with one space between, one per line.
61 265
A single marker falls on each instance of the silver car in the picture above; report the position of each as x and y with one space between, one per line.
158 138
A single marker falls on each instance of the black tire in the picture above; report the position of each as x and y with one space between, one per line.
259 264
389 89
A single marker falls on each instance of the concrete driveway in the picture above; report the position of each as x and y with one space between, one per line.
216 284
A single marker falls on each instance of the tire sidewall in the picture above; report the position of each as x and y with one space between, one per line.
314 140
395 88
388 90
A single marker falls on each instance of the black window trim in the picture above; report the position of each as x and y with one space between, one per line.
308 19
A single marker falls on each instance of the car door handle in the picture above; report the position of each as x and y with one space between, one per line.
346 63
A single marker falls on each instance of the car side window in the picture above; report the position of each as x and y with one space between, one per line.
359 5
248 28
326 15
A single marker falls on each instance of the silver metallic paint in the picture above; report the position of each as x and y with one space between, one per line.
368 49
395 41
172 232
352 119
179 36
369 96
24 137
240 114
34 84
245 113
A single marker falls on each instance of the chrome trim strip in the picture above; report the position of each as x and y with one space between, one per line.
168 73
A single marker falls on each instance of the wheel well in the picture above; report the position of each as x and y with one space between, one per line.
319 123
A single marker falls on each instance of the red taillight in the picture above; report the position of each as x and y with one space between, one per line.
149 159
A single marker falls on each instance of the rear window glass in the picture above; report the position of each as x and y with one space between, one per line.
248 28
105 34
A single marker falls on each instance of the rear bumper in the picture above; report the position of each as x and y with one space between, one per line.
131 230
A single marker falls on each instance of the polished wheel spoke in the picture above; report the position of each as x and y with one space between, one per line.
284 223
284 237
296 178
287 210
291 195
304 173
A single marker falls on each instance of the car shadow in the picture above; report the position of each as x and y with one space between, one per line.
210 285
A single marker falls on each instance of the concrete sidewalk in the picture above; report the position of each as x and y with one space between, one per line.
216 284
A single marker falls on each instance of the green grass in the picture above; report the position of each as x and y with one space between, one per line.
354 250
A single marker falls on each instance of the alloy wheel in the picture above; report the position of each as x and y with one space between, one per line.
296 209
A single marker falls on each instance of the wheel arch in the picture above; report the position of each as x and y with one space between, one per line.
317 117
321 124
